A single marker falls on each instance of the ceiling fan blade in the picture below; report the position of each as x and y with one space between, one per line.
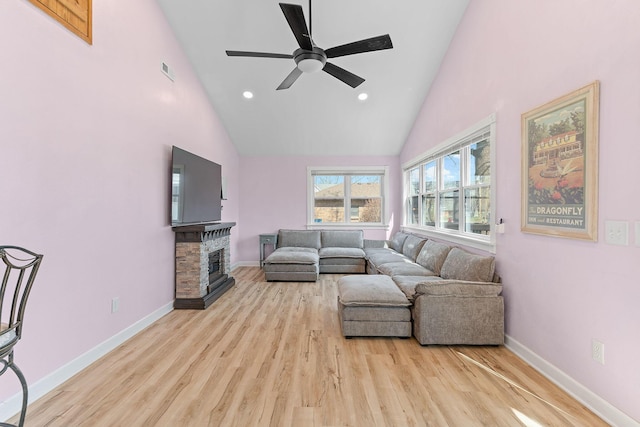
291 78
258 54
362 46
295 18
342 74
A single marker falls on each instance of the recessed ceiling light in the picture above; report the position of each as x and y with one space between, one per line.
363 96
247 94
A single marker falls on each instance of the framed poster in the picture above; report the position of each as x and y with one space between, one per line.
73 14
560 166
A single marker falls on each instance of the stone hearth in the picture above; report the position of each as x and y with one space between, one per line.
194 243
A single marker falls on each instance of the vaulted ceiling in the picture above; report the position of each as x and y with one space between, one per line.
319 114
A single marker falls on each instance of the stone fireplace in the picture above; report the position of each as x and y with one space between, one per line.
215 268
202 264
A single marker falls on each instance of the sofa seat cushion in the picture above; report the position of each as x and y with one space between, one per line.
462 265
339 252
379 258
432 255
370 290
458 288
343 261
405 268
381 250
292 257
408 284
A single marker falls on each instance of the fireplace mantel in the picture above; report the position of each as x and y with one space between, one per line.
194 243
200 232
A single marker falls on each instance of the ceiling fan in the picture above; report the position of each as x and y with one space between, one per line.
310 58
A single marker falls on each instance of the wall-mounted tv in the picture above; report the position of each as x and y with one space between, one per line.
196 189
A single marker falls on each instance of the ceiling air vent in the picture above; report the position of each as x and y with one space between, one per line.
168 71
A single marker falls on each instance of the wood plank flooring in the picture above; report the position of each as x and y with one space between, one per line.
272 354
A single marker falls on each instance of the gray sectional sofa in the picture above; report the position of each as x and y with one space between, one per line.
455 295
302 254
444 294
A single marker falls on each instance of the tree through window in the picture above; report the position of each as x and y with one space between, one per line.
347 196
449 190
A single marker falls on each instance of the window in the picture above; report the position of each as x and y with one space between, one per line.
347 196
449 189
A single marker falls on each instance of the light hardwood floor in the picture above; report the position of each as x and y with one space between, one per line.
272 354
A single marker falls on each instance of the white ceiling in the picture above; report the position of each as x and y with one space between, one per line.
319 114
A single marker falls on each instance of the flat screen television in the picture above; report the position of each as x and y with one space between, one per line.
196 189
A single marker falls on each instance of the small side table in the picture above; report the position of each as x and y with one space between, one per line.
267 239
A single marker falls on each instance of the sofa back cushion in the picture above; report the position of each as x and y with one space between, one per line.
342 239
412 246
432 256
299 239
462 265
397 241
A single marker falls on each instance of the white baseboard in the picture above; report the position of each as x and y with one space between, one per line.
595 403
13 405
245 264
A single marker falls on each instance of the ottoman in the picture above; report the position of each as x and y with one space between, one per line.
372 306
292 264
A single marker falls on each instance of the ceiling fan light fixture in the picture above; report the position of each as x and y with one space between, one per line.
310 61
310 65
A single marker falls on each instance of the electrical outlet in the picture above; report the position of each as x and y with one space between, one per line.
115 305
617 232
637 233
597 351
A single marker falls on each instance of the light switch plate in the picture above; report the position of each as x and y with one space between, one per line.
637 233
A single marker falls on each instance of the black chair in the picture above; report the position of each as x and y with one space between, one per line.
20 269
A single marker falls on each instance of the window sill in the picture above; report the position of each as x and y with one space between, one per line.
481 244
355 225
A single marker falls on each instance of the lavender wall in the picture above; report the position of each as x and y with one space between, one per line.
86 135
86 132
274 194
509 57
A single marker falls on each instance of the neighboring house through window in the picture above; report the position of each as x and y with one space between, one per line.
449 190
347 196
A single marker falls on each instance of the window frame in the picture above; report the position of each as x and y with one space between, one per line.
347 172
462 143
